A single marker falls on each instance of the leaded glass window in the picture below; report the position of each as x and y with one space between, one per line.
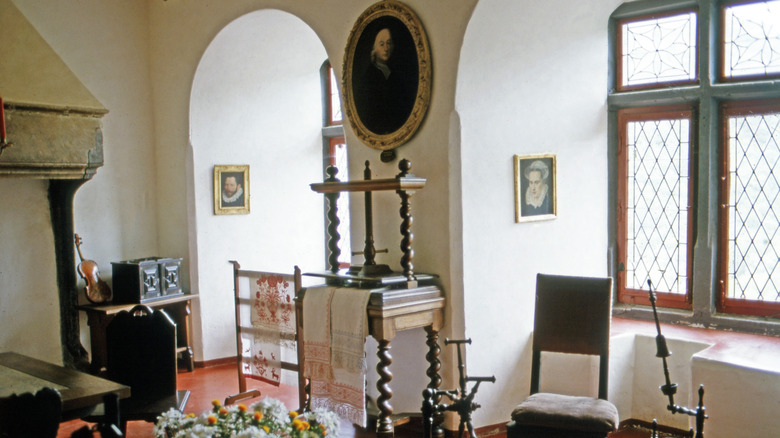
753 201
334 98
658 50
657 204
751 42
697 158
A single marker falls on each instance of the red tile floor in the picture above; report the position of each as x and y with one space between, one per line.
205 385
217 382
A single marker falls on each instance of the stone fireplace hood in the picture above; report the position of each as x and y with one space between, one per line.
53 132
52 120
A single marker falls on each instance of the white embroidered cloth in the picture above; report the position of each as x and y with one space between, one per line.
334 334
271 312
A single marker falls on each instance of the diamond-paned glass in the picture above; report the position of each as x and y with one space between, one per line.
754 207
335 100
659 50
657 204
751 45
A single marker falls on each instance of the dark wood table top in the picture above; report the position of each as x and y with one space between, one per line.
79 390
113 308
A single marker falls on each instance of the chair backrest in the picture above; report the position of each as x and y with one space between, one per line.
573 315
141 352
27 415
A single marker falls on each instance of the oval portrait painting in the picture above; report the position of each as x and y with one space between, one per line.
386 75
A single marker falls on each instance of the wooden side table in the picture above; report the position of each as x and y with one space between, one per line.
390 311
100 315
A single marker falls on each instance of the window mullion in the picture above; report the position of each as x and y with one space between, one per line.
708 41
706 159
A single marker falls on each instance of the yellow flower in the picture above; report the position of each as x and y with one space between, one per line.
292 414
258 416
223 411
267 429
215 403
212 419
242 407
300 424
190 415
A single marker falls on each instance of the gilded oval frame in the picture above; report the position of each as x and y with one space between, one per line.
409 38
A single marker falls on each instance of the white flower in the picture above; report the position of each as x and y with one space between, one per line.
235 422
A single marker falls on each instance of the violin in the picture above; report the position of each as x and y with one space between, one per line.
97 290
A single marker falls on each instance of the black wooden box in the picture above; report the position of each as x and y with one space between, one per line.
142 280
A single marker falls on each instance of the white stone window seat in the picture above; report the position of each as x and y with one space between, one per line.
740 373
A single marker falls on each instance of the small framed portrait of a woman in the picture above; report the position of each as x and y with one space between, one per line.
386 80
231 189
535 188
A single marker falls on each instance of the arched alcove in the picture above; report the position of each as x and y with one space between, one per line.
530 81
256 101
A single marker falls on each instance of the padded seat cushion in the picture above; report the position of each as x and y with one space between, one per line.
567 412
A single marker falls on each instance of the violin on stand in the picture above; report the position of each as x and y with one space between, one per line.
96 290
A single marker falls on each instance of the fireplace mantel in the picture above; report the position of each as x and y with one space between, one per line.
51 142
53 129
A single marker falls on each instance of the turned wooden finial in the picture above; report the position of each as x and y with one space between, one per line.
404 166
332 171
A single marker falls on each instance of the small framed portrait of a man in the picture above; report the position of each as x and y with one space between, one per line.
231 189
535 186
386 79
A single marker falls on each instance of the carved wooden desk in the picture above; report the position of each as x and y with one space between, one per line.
390 311
99 315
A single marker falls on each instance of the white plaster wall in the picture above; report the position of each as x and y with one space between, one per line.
29 303
174 61
740 401
256 101
106 45
648 401
516 93
622 351
532 79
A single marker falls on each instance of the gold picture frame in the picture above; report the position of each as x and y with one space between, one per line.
386 94
536 184
231 189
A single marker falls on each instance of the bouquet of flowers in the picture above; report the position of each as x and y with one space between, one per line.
266 418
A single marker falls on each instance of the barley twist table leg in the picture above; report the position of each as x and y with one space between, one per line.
384 424
433 374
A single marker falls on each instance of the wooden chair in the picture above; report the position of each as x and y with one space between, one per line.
141 353
573 315
31 415
249 324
